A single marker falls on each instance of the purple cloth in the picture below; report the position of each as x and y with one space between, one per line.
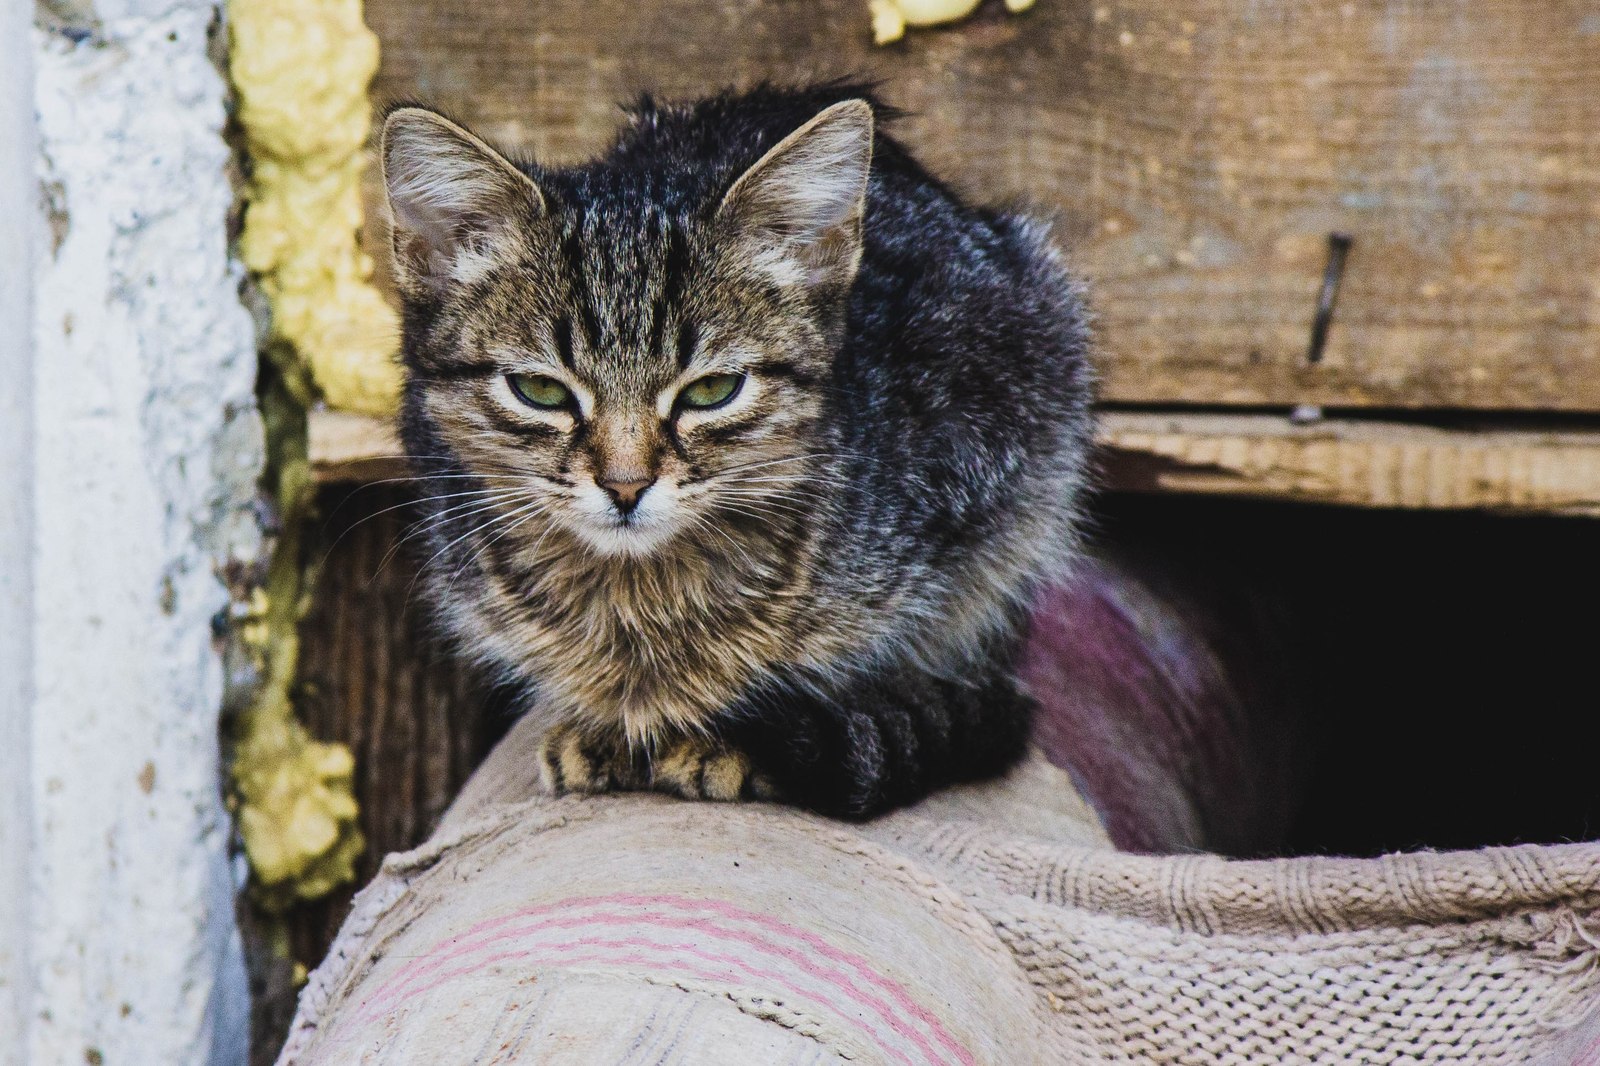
1157 707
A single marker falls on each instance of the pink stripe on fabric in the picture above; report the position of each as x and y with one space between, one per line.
661 956
823 947
381 999
462 943
466 943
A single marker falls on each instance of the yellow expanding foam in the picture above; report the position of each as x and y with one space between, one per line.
301 68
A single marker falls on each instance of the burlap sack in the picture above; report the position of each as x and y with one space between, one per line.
991 924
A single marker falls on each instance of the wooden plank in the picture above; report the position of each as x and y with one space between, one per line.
1199 153
1339 461
348 447
371 678
1364 464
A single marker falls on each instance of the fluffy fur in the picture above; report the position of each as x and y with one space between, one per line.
818 595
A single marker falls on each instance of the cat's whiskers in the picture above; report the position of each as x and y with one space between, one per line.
834 483
703 522
786 490
752 507
533 552
418 461
741 468
430 522
478 553
406 479
413 502
534 507
810 479
444 473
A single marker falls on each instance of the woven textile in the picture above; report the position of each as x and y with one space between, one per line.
991 924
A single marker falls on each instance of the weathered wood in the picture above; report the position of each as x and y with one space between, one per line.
1340 461
1366 464
347 447
1199 151
370 677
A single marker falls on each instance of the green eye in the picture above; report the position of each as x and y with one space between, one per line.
536 390
713 391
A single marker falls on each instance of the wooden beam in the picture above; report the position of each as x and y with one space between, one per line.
1336 461
1198 154
1360 463
346 447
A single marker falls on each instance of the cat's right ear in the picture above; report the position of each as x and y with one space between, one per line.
454 200
804 201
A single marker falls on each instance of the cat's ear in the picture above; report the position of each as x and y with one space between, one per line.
802 203
454 199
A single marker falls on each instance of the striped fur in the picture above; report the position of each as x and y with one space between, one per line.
817 597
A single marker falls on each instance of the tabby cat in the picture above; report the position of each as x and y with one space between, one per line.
745 444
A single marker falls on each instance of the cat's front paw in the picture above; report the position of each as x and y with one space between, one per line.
575 760
705 768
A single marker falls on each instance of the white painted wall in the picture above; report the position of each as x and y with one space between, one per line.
129 364
18 219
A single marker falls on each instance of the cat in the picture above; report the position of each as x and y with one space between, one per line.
745 445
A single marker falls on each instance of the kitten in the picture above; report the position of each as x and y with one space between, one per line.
747 444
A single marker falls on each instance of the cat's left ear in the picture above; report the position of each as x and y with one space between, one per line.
456 202
798 211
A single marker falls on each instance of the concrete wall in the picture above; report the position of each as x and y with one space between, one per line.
127 463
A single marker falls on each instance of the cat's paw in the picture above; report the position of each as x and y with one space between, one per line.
575 760
704 768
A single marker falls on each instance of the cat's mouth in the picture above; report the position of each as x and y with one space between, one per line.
636 532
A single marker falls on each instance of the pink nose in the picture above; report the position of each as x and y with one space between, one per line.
625 494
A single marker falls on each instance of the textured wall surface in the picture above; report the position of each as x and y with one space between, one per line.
18 225
144 452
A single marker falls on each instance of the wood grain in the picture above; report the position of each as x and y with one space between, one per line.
353 448
1363 463
371 677
1358 463
1197 152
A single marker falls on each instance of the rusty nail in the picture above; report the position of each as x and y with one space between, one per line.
1338 251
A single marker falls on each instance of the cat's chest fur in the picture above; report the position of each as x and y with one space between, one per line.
655 645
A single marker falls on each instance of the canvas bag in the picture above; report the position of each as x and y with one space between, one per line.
989 924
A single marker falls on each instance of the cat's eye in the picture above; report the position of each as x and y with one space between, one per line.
712 391
539 391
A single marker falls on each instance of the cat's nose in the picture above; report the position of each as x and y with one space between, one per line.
625 494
